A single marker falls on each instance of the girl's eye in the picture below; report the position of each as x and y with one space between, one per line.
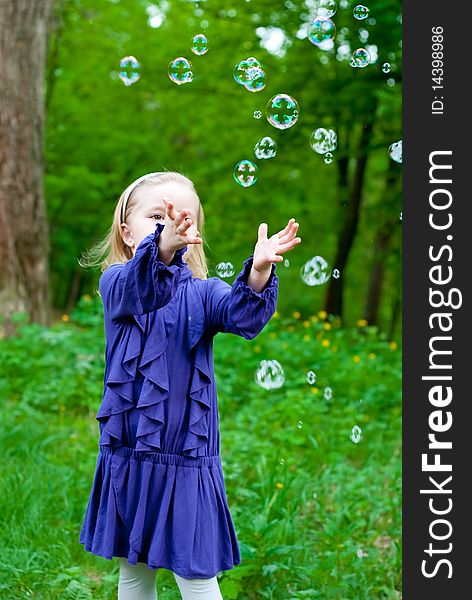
157 215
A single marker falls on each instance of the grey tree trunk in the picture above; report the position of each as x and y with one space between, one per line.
24 243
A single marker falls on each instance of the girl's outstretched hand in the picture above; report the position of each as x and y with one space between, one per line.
179 230
267 250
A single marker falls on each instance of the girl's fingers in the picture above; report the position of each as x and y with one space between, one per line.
286 229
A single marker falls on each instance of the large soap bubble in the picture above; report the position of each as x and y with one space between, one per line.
360 58
129 70
325 8
323 140
257 79
321 30
180 70
200 44
282 111
224 269
360 12
265 148
395 151
269 374
315 271
245 173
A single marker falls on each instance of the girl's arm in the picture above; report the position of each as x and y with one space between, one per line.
144 283
238 308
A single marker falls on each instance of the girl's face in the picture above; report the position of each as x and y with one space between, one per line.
150 209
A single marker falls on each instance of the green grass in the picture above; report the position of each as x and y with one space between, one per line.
317 516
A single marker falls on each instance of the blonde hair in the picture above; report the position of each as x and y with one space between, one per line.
111 249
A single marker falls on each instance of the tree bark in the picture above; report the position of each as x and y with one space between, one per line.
24 243
335 292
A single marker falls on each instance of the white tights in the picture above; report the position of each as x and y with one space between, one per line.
138 582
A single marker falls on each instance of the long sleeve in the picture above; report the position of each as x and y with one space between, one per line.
238 308
144 283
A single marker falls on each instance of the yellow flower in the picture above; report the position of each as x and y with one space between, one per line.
372 355
306 337
325 343
276 315
356 358
314 318
65 317
87 298
314 390
290 328
296 314
284 345
327 326
322 314
393 345
273 335
279 485
306 323
361 323
257 348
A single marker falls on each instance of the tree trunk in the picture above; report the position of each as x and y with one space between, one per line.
334 296
377 274
24 244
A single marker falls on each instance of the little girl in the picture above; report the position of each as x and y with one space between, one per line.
158 497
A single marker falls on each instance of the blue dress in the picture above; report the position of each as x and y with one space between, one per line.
158 494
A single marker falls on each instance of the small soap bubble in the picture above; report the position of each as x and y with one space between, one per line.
390 82
129 70
180 70
400 217
245 173
200 44
386 67
356 434
321 30
282 111
315 271
328 393
395 151
286 263
328 158
311 377
323 140
265 148
336 273
269 375
224 269
325 8
257 114
257 79
300 424
360 58
282 461
360 12
361 553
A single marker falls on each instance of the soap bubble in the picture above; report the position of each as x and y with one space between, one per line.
390 82
282 111
323 140
336 273
180 70
245 173
315 271
311 377
356 434
224 269
395 151
257 114
300 424
265 148
200 44
321 30
400 216
286 263
360 58
328 158
257 79
360 12
129 70
242 71
386 67
269 375
327 393
325 8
